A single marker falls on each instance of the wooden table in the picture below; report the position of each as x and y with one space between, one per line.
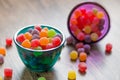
14 14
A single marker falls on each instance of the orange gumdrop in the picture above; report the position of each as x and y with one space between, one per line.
26 43
44 41
2 51
82 56
45 28
77 13
28 36
43 33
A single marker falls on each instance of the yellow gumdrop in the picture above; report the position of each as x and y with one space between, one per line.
100 15
87 29
26 43
72 75
73 55
94 37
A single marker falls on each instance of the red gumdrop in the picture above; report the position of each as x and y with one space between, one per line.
20 38
8 72
49 46
8 41
56 41
35 43
108 47
83 10
82 67
81 36
38 27
79 45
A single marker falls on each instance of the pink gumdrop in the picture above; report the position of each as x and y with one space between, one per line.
56 41
81 36
82 67
79 45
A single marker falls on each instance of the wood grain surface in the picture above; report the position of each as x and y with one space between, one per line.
14 14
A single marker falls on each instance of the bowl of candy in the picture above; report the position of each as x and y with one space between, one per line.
88 22
39 46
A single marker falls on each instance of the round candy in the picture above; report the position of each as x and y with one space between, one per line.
87 29
41 78
44 41
82 56
81 36
94 37
8 41
94 11
79 45
77 14
20 38
73 55
26 43
70 40
100 15
71 75
56 41
45 28
30 30
2 51
108 47
1 59
87 48
73 21
43 33
51 33
82 67
87 39
79 50
35 43
28 36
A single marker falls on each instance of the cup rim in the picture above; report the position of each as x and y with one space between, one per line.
62 43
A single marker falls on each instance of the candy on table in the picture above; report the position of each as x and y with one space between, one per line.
20 38
35 36
87 29
82 67
26 43
0 78
2 51
51 33
81 36
71 75
108 47
100 14
79 45
28 35
8 72
73 55
56 41
8 41
82 56
87 48
87 39
69 40
35 31
41 78
43 33
94 37
44 41
1 59
79 50
35 43
38 27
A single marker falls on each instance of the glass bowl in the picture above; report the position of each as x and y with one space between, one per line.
38 60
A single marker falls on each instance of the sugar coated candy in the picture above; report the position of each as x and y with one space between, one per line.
82 67
44 41
38 27
8 72
28 35
20 38
35 43
73 55
8 41
72 75
108 47
56 41
2 51
51 33
26 43
82 56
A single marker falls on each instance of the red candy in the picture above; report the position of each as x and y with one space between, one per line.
79 45
108 47
8 72
38 28
81 36
82 67
20 38
50 45
56 41
8 41
35 43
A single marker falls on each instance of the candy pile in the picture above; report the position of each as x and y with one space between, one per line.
39 38
87 25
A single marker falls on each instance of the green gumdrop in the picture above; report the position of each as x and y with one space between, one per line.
41 78
38 48
51 33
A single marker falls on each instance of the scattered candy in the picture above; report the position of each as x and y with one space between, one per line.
87 48
79 45
69 40
108 47
79 50
8 72
2 51
82 67
41 78
82 56
1 59
72 75
73 55
8 41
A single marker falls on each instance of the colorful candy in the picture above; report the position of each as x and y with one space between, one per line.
1 59
72 75
35 43
94 37
79 45
43 33
56 41
69 40
82 56
38 27
41 78
28 35
1 78
8 41
20 38
51 33
26 43
73 55
8 72
82 67
108 47
2 51
79 50
87 48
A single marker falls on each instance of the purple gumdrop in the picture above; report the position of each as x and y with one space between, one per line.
80 50
35 36
1 59
87 39
30 30
101 28
69 40
87 48
101 22
35 31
